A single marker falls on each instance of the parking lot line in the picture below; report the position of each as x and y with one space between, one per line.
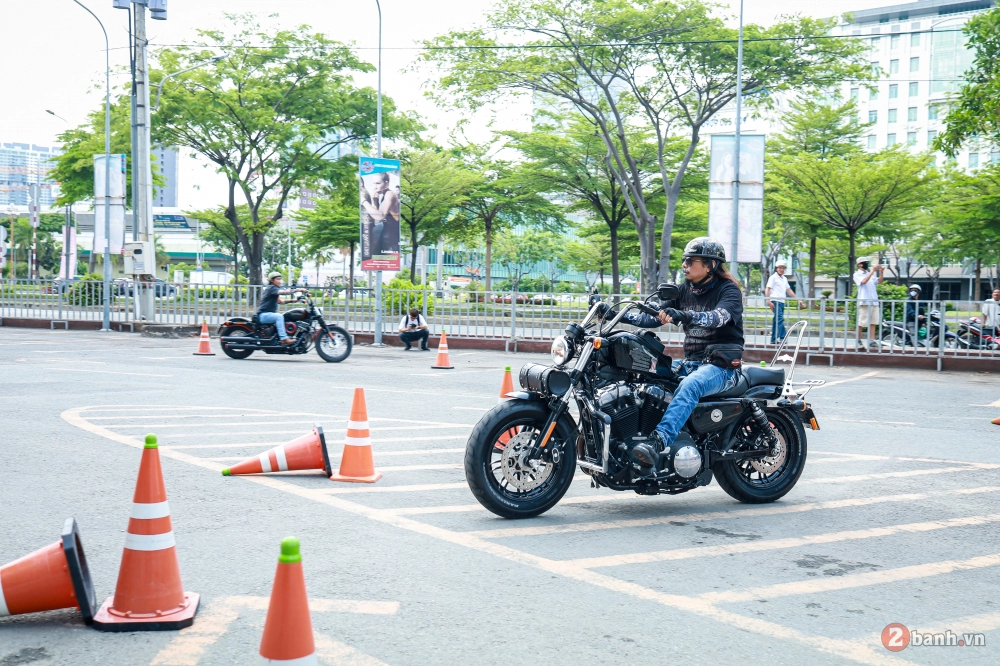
779 544
160 426
898 475
775 510
834 583
410 488
375 442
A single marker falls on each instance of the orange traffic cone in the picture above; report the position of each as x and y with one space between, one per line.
149 595
306 452
442 362
288 633
356 464
506 386
204 342
996 421
49 578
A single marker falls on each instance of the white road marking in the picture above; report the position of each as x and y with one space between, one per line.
108 372
190 644
414 468
329 443
474 409
780 544
416 487
851 379
335 653
834 418
833 583
427 426
897 475
845 649
776 510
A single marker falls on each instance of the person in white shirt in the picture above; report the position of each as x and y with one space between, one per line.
413 327
776 290
991 313
869 312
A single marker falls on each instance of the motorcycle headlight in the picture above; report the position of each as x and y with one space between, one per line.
562 350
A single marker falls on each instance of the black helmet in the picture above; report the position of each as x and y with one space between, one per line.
706 248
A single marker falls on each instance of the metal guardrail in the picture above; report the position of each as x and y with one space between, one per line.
493 316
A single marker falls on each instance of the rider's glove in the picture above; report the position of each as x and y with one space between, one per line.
602 309
678 316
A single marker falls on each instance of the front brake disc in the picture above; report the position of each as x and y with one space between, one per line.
523 475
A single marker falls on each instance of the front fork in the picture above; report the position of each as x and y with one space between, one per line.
542 449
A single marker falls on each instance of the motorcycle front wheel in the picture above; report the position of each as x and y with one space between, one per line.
334 344
761 480
495 468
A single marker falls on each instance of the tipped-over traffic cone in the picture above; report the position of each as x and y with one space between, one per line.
356 464
506 386
204 342
442 362
52 577
307 452
996 421
288 633
149 595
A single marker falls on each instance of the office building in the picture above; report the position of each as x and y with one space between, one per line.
166 163
22 165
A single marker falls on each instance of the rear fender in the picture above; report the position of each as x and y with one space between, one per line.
235 322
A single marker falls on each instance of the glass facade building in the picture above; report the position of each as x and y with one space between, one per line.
22 165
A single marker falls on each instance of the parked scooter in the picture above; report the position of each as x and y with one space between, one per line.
923 334
972 336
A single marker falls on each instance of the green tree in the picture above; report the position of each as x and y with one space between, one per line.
824 128
433 184
975 111
570 159
518 253
503 195
333 224
847 193
221 236
665 64
269 116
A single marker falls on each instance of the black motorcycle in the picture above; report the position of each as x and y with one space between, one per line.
522 455
972 336
241 337
924 334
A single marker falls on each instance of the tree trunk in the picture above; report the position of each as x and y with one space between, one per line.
649 273
851 261
812 267
615 276
978 293
413 256
489 253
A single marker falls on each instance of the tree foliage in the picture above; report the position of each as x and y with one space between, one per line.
666 67
270 116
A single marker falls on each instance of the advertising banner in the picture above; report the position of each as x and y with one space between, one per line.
116 202
720 195
71 244
379 185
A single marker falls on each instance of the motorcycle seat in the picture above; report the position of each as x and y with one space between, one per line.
762 376
750 377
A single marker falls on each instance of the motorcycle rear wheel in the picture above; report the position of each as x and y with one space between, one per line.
499 481
745 481
235 353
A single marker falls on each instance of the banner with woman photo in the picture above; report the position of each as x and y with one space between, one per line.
379 185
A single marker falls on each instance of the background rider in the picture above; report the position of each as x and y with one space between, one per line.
267 309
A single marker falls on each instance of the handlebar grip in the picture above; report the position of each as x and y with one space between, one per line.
652 312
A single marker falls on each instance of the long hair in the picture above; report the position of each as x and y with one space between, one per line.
722 273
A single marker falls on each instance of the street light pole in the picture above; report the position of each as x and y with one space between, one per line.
106 324
734 263
378 133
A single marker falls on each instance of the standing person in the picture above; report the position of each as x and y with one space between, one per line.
991 313
869 312
267 310
413 327
776 290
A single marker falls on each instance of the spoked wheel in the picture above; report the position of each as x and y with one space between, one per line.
334 344
894 338
498 470
759 480
236 333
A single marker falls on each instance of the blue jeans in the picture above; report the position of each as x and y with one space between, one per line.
700 379
778 325
275 318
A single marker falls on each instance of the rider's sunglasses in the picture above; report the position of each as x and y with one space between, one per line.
687 261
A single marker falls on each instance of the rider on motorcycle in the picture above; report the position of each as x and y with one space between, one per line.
710 308
267 309
913 311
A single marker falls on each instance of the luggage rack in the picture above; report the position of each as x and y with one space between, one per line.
793 390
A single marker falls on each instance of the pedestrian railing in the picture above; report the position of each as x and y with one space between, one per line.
832 322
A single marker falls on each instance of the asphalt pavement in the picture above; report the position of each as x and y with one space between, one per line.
895 519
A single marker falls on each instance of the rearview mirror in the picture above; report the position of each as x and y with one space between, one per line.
667 291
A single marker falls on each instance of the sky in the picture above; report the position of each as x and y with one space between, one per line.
54 52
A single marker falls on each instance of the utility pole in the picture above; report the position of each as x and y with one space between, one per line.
141 167
378 130
734 260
